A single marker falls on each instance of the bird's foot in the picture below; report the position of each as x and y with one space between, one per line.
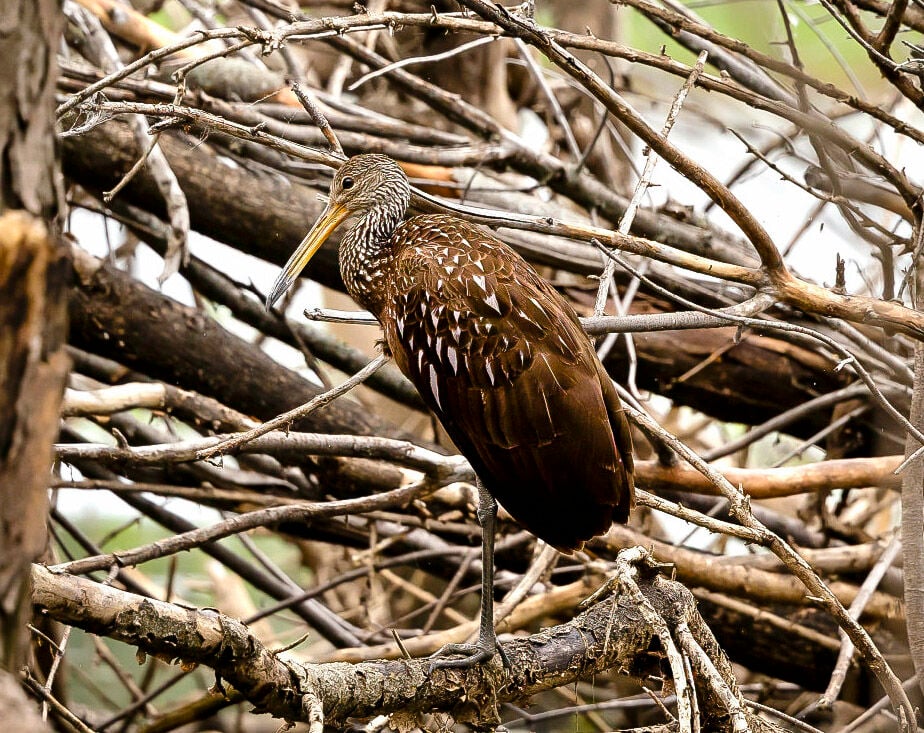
464 656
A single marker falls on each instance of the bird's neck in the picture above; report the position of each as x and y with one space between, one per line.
366 255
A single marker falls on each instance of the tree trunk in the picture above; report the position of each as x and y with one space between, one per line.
33 269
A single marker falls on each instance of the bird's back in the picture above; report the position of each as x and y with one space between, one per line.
501 359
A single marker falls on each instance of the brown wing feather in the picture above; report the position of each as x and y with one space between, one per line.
501 359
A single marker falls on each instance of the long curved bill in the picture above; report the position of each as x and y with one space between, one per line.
332 216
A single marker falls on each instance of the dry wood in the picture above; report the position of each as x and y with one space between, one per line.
718 328
607 635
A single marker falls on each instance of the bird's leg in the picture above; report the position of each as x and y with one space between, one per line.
486 646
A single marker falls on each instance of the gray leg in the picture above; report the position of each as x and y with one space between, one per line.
472 654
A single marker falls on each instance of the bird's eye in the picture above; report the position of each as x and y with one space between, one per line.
346 183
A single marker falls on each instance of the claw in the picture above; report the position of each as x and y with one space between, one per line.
471 654
448 657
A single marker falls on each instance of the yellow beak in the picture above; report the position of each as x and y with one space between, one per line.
332 216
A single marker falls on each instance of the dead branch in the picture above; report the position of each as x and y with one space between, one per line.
788 343
608 635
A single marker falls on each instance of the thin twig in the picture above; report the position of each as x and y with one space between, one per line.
839 675
739 506
287 418
319 119
241 523
848 358
557 112
455 51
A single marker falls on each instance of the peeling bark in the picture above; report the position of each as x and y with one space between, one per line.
33 363
610 635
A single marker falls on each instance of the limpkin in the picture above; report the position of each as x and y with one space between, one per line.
496 353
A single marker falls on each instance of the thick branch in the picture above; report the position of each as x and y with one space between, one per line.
118 317
33 367
609 635
766 483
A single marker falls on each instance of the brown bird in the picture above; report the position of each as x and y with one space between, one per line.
496 353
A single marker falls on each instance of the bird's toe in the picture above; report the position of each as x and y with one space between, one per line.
463 656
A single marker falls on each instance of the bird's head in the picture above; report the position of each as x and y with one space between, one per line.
365 184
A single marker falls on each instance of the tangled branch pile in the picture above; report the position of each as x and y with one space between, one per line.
767 361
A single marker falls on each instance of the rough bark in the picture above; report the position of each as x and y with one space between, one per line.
611 634
33 363
29 33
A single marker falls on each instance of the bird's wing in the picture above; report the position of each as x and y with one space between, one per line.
501 359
